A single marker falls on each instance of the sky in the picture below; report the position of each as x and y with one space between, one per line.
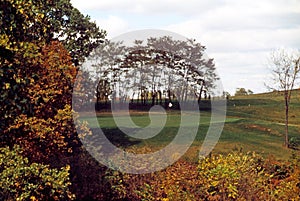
238 35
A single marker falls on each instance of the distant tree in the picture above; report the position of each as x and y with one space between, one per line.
159 64
241 92
226 94
285 69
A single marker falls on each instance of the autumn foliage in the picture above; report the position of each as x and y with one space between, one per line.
235 176
41 157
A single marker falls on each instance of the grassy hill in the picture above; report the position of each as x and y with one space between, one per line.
265 106
253 123
261 125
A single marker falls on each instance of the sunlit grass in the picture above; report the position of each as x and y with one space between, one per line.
253 123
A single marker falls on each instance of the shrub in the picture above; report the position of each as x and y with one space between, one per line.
231 176
20 180
294 142
235 176
177 182
239 176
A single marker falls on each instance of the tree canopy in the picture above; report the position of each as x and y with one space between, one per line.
43 20
159 65
243 92
42 43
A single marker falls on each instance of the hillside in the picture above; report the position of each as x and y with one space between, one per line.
261 124
265 106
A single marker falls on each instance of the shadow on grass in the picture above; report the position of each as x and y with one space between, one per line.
115 136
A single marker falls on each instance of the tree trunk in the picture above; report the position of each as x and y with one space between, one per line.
286 137
200 94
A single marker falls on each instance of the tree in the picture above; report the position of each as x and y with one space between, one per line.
249 92
241 92
285 71
155 66
39 116
37 72
226 95
41 44
44 20
27 27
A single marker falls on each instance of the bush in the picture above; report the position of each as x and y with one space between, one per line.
232 176
20 180
236 176
294 142
239 176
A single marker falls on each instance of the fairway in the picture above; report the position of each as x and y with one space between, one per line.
142 120
253 123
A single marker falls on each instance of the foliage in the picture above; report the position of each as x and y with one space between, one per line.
74 30
43 20
82 94
236 176
21 180
224 177
41 44
294 142
242 92
48 140
177 182
29 55
23 20
43 126
240 176
160 67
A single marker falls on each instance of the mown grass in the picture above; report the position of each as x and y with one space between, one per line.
253 123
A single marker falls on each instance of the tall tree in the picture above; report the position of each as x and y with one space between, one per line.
26 27
285 67
159 64
41 42
76 32
44 20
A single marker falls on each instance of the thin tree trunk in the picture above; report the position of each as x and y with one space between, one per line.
286 137
200 94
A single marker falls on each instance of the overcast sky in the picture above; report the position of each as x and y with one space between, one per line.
239 35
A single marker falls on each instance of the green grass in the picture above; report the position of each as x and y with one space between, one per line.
253 123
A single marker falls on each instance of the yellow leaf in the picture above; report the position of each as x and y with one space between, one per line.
33 198
7 85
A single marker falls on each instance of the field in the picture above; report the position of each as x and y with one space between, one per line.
253 123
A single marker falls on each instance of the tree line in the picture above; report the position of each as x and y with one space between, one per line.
152 71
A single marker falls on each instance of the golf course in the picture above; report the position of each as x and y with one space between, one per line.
253 123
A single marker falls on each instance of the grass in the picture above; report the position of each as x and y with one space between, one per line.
253 123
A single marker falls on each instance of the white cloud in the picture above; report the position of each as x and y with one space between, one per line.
114 25
149 6
238 34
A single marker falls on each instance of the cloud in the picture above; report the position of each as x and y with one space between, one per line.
242 69
237 34
151 7
114 25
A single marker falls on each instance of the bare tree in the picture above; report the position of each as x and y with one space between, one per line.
285 70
